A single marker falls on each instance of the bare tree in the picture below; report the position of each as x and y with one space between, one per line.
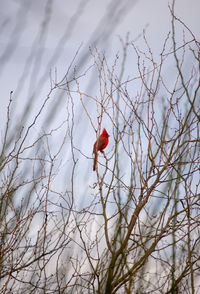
132 226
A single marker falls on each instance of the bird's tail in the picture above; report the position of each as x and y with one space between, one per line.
95 160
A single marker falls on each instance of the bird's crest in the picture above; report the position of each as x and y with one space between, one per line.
104 133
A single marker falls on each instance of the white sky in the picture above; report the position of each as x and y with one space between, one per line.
20 23
155 13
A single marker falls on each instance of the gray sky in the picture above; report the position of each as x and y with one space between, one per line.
32 31
21 22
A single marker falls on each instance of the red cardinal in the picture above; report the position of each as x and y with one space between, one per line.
99 145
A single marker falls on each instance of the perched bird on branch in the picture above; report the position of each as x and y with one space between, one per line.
99 145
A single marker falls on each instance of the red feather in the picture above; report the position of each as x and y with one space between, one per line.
99 145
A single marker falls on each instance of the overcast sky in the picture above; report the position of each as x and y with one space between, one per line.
20 23
32 31
68 24
50 32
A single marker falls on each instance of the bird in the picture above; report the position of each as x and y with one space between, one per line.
100 144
